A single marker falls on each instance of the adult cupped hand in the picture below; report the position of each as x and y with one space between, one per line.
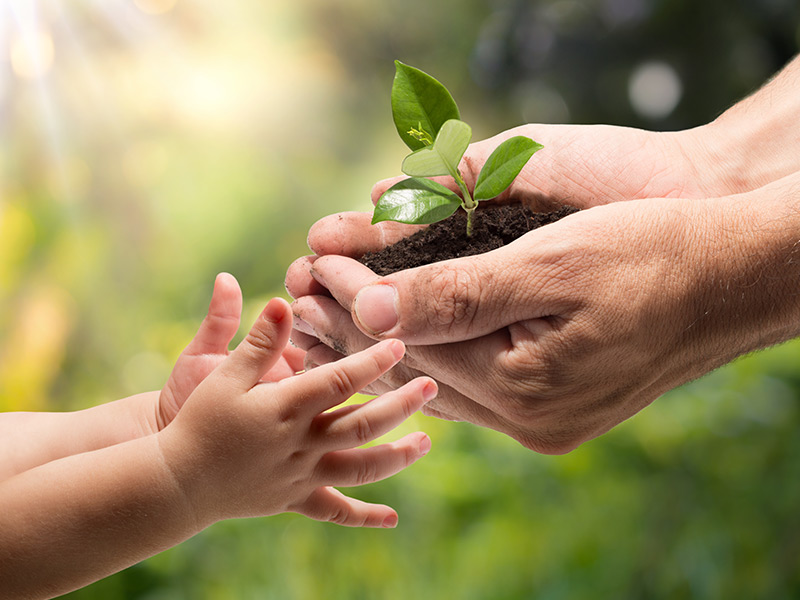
561 335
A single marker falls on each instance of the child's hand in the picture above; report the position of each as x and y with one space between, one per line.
210 347
241 447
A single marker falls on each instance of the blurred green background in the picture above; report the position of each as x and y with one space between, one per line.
149 144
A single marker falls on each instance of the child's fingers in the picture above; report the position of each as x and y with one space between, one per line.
263 346
222 321
321 355
360 466
329 504
290 363
332 384
371 420
295 358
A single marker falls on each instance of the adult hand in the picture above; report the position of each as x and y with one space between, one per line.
566 332
561 335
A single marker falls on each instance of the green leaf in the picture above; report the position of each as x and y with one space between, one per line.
417 201
443 157
503 166
419 103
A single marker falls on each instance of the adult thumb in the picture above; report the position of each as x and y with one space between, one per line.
451 301
262 347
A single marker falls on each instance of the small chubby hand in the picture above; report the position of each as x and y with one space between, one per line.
244 447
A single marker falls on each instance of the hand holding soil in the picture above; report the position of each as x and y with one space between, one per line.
564 333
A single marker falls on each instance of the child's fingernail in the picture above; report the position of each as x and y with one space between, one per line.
429 391
425 445
397 347
390 522
375 308
275 310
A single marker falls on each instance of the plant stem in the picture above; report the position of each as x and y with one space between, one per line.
467 203
470 213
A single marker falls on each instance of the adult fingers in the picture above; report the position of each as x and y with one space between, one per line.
299 282
376 417
329 334
447 301
291 362
263 346
294 358
222 321
327 386
339 338
329 504
449 404
319 354
360 466
325 320
352 234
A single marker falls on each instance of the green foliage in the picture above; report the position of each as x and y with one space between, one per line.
503 166
417 200
427 120
420 106
443 156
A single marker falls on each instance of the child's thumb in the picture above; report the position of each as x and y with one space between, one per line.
262 347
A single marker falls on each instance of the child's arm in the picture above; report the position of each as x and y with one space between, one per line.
30 439
238 447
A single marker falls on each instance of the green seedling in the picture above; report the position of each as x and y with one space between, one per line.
428 121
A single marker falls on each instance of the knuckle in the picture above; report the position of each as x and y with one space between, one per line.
409 456
364 430
367 472
261 339
454 296
342 382
339 516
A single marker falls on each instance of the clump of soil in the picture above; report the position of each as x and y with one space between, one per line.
493 226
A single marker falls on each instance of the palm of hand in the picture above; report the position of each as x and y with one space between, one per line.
588 165
189 371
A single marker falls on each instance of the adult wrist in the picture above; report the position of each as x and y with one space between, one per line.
754 266
755 142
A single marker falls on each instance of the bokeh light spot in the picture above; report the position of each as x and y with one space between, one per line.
654 90
32 54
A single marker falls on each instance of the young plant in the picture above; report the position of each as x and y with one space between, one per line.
428 121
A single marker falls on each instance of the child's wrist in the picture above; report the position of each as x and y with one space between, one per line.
183 468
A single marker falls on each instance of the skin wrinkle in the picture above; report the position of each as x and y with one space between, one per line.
452 296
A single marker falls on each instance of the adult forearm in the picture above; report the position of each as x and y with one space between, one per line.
757 140
73 521
750 273
28 440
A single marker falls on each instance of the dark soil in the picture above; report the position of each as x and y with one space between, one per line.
494 226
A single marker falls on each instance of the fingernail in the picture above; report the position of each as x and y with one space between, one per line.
390 522
429 391
317 277
425 445
375 307
397 347
303 327
274 310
